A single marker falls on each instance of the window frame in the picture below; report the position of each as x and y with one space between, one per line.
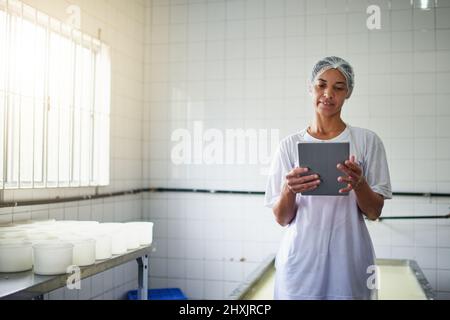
98 113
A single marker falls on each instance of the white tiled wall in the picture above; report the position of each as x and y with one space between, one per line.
207 244
243 64
122 25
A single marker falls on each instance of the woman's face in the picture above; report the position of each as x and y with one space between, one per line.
329 92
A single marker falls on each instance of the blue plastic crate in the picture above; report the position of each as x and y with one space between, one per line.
160 294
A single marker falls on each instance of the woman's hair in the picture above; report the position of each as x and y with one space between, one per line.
335 63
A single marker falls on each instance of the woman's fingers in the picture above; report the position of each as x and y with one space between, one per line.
345 169
353 166
298 183
295 173
305 186
353 172
346 179
347 189
303 179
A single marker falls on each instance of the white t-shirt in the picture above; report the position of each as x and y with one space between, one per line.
326 250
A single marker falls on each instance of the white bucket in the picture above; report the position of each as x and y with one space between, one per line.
118 234
145 230
102 242
102 246
52 257
15 255
83 250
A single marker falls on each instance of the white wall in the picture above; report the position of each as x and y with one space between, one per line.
243 64
122 25
207 244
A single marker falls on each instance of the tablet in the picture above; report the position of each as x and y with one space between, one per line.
322 158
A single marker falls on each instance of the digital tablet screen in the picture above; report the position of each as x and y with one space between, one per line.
322 158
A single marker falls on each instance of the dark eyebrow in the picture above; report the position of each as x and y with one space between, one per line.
339 82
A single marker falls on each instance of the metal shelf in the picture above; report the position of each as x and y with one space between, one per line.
27 285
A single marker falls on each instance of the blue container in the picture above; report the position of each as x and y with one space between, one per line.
160 294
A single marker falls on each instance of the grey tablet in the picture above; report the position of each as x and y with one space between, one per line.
322 158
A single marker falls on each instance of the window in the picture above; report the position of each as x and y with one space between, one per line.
54 102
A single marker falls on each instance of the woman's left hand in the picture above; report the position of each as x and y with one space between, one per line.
354 177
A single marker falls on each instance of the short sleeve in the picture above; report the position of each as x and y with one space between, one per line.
280 167
376 168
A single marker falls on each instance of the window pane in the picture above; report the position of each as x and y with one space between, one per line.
87 80
25 71
26 141
3 61
64 146
40 54
77 124
12 57
39 58
38 136
65 103
26 66
2 136
13 141
86 148
76 153
52 146
47 100
3 75
14 103
87 119
56 65
83 107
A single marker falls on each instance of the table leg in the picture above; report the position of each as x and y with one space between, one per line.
143 277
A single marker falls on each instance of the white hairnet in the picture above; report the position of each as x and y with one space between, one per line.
335 63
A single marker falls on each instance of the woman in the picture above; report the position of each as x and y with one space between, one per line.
327 252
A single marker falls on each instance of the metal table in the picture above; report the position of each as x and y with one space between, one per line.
27 285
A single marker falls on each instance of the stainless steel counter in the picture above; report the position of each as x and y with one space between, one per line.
27 285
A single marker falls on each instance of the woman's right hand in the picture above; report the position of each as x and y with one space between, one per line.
297 183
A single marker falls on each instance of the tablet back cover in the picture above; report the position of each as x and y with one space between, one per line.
322 158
